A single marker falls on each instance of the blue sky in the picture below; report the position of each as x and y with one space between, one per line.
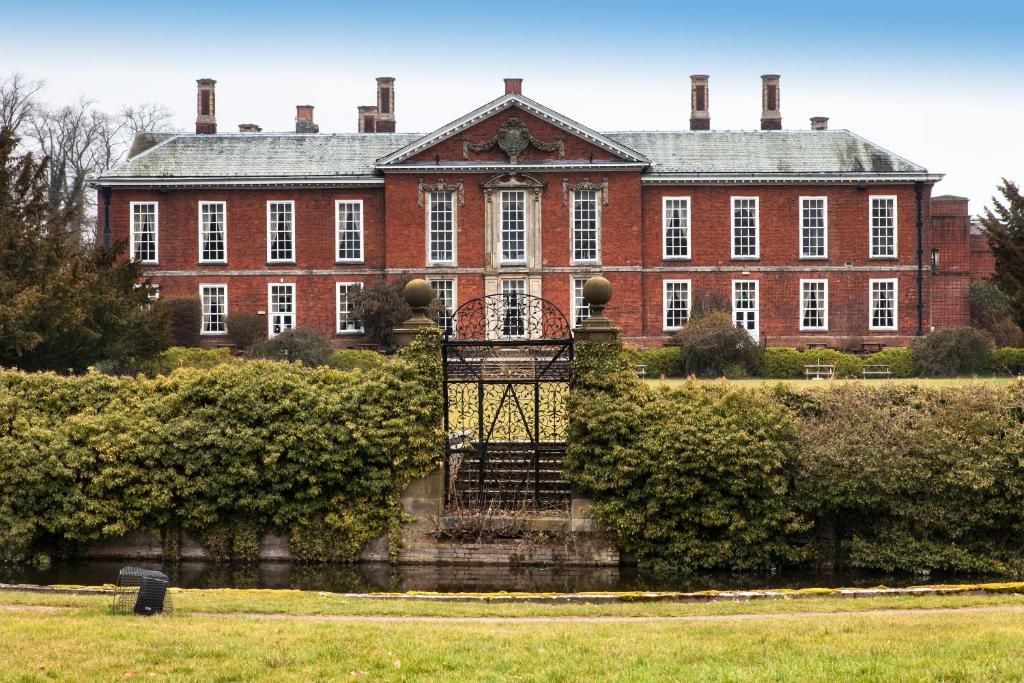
939 83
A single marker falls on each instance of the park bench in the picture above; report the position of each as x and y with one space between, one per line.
879 371
868 348
641 371
819 371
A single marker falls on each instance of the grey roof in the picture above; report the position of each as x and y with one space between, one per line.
757 152
670 153
262 155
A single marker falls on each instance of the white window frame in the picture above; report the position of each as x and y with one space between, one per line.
224 207
757 228
574 300
501 226
202 303
291 203
664 303
755 334
573 228
455 296
525 313
800 222
156 231
454 228
895 304
895 226
271 313
337 231
664 229
337 308
824 319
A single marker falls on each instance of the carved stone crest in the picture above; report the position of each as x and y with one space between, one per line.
513 139
440 186
568 187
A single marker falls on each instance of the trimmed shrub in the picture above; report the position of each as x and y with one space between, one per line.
222 454
900 360
304 345
246 329
847 365
711 342
661 362
350 359
184 320
1007 361
780 363
960 351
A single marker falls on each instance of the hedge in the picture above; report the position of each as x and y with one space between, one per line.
878 476
222 453
1007 361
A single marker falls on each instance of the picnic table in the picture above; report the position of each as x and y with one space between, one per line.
879 371
641 371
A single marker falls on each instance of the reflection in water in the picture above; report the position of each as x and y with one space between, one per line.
371 577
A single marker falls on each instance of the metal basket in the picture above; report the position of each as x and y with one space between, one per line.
141 591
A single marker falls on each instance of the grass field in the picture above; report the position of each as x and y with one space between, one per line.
208 639
810 383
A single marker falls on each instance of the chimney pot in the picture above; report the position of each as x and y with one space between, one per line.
513 86
819 123
367 118
248 128
206 106
385 119
771 112
700 116
304 119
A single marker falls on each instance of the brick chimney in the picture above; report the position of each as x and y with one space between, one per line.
819 123
771 114
304 119
700 117
367 118
206 106
385 104
248 128
513 86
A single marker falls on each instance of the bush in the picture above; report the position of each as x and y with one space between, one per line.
350 359
660 362
900 360
184 320
1007 361
184 357
246 329
711 342
222 454
304 345
1005 332
960 351
780 363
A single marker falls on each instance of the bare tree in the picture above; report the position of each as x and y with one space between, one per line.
18 101
148 117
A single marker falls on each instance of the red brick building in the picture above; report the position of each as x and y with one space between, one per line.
808 236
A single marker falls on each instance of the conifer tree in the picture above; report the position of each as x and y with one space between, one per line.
1004 228
63 306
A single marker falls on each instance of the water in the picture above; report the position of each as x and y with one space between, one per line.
370 577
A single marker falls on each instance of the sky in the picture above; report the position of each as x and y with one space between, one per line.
939 83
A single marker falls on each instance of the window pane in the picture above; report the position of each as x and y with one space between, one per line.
444 290
280 231
745 306
812 227
215 308
213 232
744 227
350 231
812 305
883 226
442 227
346 305
513 226
677 303
581 307
883 304
584 225
513 308
676 228
282 308
144 232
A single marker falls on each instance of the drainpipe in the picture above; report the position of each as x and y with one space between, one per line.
918 192
105 192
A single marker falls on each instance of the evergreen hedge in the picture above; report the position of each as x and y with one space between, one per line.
880 476
222 453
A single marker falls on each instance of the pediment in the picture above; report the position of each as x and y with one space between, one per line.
512 130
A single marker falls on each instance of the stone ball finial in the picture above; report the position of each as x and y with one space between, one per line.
597 291
418 293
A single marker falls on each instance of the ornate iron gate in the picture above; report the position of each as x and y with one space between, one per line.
506 378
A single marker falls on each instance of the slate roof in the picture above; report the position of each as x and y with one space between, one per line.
757 152
352 155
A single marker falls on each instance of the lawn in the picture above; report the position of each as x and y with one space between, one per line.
82 641
811 383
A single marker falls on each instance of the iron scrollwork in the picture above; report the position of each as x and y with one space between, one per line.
513 138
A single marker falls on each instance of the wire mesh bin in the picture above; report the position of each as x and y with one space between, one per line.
141 591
